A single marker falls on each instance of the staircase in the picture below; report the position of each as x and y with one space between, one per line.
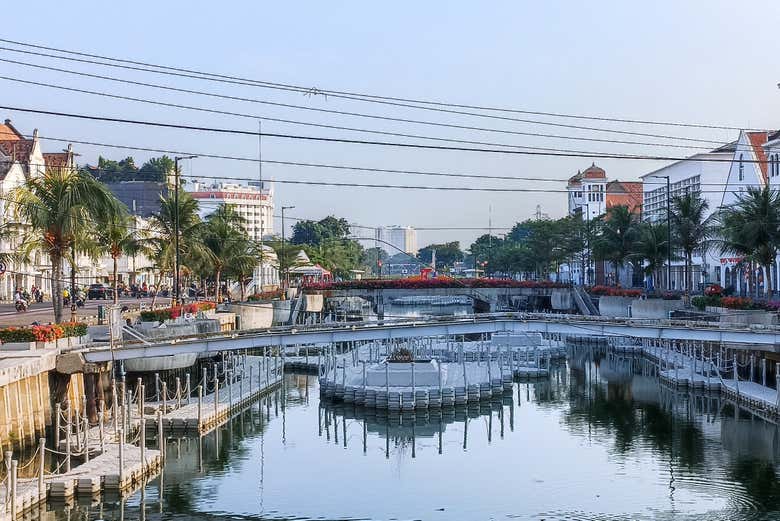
583 301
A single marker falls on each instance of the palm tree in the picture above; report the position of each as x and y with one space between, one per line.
751 228
223 232
692 228
120 237
162 239
617 237
54 208
243 260
651 248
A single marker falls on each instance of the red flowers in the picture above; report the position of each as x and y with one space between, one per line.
736 303
48 333
610 291
159 315
440 282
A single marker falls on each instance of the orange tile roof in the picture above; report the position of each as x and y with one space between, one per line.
8 132
625 193
18 149
56 159
757 139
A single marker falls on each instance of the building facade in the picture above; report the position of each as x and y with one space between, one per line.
254 204
397 239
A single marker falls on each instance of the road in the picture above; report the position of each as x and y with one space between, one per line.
44 314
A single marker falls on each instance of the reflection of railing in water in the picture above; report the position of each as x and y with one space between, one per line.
336 421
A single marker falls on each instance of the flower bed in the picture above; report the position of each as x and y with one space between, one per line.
265 295
160 315
440 282
612 291
50 333
741 303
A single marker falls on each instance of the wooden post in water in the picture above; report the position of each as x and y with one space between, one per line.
114 406
121 456
57 424
142 445
164 396
101 429
160 435
157 387
13 479
41 468
216 396
67 438
200 406
187 383
178 392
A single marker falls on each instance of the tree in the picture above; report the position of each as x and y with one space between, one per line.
54 208
162 240
315 232
243 261
692 229
157 169
617 236
222 234
651 248
751 228
337 256
446 254
119 237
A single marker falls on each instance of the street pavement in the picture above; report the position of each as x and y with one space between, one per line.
43 313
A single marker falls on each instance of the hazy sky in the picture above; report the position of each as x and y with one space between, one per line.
694 61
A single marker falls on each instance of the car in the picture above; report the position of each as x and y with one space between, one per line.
100 291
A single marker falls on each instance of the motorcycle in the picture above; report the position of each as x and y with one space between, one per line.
21 306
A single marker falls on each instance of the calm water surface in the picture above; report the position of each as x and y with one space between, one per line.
596 441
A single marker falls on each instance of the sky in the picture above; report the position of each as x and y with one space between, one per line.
710 62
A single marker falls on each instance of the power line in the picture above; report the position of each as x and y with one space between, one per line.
372 98
358 141
352 129
348 113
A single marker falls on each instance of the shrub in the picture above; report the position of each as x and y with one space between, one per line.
737 303
74 328
16 334
713 290
699 302
161 315
48 333
265 295
439 282
612 291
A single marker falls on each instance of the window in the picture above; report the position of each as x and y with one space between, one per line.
741 168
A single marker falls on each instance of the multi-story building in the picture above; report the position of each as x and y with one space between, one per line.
590 195
400 239
254 204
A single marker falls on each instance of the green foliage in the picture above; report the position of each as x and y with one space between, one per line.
109 171
314 233
446 254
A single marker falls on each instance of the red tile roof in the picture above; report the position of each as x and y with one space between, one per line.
8 132
18 149
757 139
626 193
56 159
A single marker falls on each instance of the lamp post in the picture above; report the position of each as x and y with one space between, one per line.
284 249
176 229
668 232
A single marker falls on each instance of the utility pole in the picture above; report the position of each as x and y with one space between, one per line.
260 179
668 235
176 230
284 250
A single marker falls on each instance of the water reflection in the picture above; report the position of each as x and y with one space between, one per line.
600 439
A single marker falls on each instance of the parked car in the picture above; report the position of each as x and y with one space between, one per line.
100 291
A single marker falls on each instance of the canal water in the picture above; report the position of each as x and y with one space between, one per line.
599 440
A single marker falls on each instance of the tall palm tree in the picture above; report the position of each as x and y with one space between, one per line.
54 208
692 228
751 228
222 233
617 237
120 237
651 248
162 237
243 260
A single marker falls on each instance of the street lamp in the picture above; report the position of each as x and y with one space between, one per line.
284 249
176 230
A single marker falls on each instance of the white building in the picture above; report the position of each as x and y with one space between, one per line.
587 192
400 239
254 204
719 177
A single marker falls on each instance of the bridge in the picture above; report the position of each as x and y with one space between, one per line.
485 299
758 338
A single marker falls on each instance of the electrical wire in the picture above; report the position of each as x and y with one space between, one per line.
347 113
361 97
358 141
